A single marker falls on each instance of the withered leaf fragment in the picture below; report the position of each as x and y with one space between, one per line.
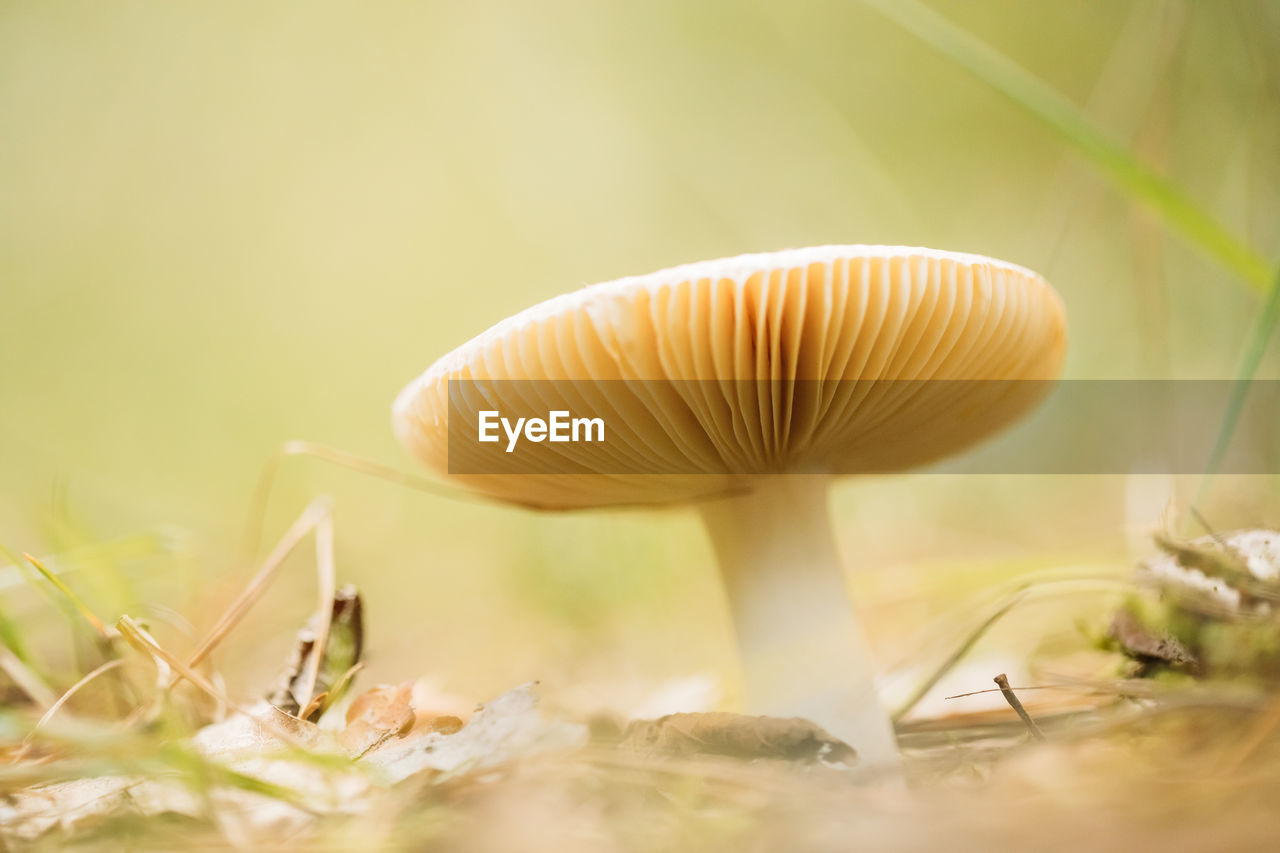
1232 572
1147 646
505 729
737 736
341 652
376 715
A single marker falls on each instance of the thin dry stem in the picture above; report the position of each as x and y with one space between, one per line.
1256 737
138 637
57 706
1014 702
71 691
305 523
327 584
26 678
1019 592
297 447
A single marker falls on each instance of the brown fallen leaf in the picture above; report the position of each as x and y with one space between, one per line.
444 724
737 736
376 715
385 712
507 728
429 701
341 653
1146 646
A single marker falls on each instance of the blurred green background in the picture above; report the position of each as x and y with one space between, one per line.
225 225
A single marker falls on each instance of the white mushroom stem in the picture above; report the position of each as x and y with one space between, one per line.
803 652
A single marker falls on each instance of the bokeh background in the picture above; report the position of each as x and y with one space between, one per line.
226 225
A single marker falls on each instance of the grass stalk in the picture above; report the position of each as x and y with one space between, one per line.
1070 124
1255 348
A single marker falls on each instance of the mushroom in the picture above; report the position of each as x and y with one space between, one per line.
743 386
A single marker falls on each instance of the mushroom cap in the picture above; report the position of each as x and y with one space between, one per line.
833 359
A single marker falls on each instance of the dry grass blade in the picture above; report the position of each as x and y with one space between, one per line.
1257 736
140 639
297 447
136 636
1001 690
27 680
62 700
337 657
314 706
325 572
73 689
344 681
1019 593
316 511
956 655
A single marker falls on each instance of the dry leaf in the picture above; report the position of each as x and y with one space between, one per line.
505 729
375 716
76 805
737 736
341 653
262 744
1145 645
263 728
433 708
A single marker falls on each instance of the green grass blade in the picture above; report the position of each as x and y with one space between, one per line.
1040 100
1255 348
77 603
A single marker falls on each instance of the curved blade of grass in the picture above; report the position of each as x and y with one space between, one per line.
1010 598
19 570
1255 349
1040 100
11 637
954 657
77 603
27 679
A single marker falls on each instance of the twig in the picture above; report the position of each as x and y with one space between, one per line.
1002 681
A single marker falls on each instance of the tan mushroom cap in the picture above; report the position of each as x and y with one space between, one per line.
876 337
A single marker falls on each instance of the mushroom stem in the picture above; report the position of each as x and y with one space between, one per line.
803 652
